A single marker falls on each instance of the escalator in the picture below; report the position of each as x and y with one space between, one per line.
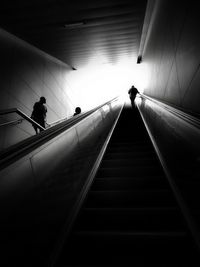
130 216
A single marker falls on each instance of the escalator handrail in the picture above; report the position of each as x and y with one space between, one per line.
14 122
24 147
190 117
22 114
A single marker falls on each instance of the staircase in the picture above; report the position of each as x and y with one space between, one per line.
130 216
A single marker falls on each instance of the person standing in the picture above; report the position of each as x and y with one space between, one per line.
39 113
77 111
133 91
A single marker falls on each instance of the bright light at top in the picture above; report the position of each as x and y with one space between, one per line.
98 83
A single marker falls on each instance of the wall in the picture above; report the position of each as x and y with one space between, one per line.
172 55
27 73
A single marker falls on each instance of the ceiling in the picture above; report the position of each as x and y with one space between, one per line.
78 31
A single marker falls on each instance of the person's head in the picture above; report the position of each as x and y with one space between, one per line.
78 110
42 99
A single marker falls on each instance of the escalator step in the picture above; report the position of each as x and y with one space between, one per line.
140 145
129 154
127 183
128 172
143 198
130 247
132 219
147 162
127 148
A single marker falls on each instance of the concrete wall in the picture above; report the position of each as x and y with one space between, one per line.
27 73
172 54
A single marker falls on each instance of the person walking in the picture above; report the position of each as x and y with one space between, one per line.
39 114
133 91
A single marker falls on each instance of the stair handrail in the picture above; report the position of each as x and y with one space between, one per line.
22 114
186 115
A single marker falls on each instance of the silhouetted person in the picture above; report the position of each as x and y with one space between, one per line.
39 113
132 94
77 111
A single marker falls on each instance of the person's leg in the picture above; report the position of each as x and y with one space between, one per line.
36 129
133 102
42 123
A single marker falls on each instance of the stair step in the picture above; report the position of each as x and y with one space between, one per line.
130 247
136 198
129 154
132 149
133 219
136 144
127 183
119 265
147 162
121 171
135 177
143 142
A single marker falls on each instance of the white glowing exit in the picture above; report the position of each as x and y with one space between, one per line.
96 84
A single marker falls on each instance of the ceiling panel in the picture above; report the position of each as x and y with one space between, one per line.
77 31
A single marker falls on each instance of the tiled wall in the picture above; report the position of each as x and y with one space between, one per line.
26 74
172 55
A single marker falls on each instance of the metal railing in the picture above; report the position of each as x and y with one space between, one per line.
22 114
